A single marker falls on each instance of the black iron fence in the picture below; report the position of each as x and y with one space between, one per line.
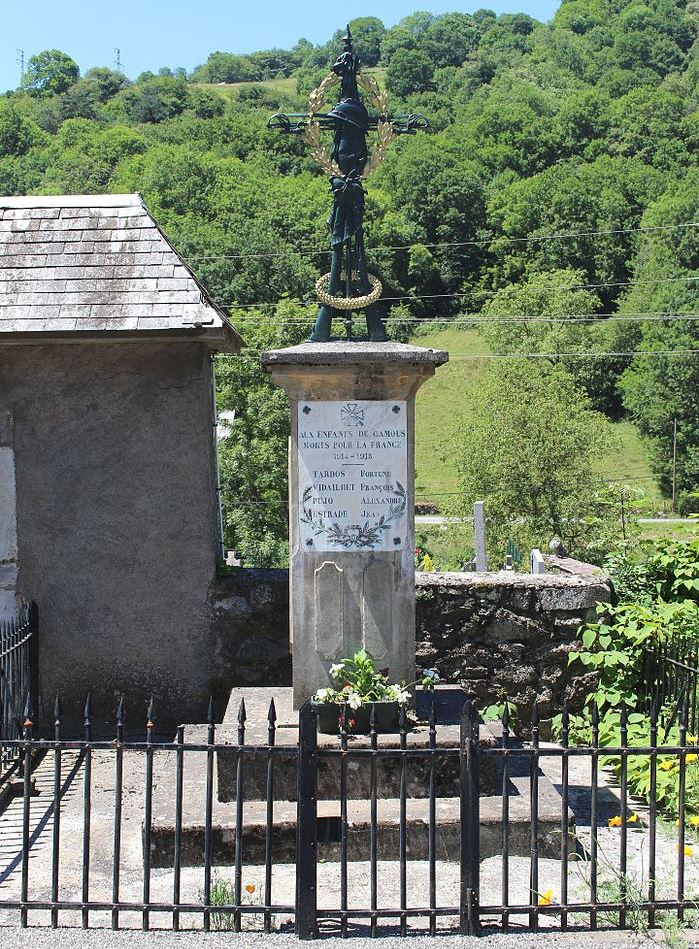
18 676
378 833
671 677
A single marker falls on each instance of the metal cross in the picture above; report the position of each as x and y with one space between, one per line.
348 162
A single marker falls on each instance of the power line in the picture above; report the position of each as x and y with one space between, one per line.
467 293
521 318
240 502
474 243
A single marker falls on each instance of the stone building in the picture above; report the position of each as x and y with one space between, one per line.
109 507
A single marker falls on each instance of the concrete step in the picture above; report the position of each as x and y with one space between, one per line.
359 770
284 822
448 827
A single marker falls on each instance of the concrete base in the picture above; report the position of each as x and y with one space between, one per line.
359 786
284 829
348 594
329 826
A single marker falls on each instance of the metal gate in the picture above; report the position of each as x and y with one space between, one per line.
308 915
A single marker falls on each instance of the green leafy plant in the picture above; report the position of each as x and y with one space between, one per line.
496 711
358 682
668 569
614 646
223 894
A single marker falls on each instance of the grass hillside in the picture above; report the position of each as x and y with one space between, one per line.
439 403
283 84
443 404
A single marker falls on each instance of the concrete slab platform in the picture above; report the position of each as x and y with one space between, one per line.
257 703
284 822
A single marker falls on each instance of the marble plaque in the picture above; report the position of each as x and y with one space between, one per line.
353 475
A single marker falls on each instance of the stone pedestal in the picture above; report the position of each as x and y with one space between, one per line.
351 503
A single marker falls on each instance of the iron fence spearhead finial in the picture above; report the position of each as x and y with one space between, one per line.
28 711
150 714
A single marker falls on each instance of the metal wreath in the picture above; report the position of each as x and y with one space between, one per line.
384 128
348 303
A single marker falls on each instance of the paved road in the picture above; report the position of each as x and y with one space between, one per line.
36 938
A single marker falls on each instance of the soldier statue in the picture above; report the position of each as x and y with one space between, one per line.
349 286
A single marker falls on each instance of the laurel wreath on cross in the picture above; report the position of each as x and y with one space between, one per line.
384 132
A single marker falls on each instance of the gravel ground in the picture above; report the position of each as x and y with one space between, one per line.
105 939
283 878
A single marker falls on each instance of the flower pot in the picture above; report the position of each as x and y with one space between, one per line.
330 715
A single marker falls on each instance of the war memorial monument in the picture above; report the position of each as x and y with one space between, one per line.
351 453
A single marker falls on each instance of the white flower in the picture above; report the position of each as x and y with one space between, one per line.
354 700
322 695
336 669
403 697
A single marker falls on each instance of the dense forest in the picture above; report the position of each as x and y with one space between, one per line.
553 203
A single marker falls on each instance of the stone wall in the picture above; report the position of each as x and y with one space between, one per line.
251 630
493 633
508 634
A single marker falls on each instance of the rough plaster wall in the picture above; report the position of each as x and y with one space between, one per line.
117 519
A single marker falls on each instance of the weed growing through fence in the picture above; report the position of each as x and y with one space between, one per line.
674 929
223 894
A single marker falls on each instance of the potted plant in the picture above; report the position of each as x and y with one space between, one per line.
359 685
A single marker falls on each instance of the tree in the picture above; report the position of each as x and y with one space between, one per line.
206 103
367 35
17 131
440 191
406 34
81 101
551 313
450 38
662 383
409 71
254 455
50 73
156 99
107 81
225 67
529 449
571 198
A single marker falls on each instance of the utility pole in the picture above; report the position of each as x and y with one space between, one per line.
117 59
20 63
674 463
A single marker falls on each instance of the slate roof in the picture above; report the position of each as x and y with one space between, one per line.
98 265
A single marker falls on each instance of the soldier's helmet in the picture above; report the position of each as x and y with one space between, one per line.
353 112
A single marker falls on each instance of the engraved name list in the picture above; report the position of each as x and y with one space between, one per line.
353 467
